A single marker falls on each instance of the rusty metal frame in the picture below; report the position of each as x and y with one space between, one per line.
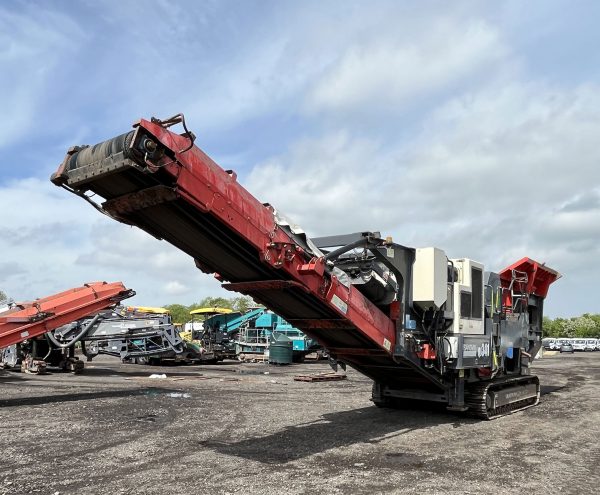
30 320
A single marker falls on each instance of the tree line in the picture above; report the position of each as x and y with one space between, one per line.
586 325
181 313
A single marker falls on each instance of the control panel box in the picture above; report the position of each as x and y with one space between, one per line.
430 278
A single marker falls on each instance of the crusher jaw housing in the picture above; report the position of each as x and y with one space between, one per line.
420 325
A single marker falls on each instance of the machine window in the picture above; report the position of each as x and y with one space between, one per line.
465 304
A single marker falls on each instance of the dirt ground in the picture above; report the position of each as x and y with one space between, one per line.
231 428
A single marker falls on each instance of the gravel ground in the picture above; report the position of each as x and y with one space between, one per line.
232 428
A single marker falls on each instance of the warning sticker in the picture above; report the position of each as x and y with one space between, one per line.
387 344
339 304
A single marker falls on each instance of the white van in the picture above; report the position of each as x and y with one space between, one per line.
579 344
591 344
550 344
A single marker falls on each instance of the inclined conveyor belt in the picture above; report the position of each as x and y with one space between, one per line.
150 180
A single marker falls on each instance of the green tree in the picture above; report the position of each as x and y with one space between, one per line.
179 312
586 325
242 303
596 319
215 302
549 327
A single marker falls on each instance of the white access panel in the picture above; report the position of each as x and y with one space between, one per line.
430 278
468 324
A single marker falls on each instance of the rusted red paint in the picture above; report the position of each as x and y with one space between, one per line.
32 319
539 276
201 182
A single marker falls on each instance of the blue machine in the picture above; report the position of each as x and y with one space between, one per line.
225 330
250 332
275 325
231 322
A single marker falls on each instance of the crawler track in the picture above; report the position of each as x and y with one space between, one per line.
480 397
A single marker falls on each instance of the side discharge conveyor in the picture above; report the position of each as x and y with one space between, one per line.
422 326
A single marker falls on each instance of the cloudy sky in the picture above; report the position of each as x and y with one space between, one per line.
471 126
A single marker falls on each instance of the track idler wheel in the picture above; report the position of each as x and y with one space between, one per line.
33 366
381 400
73 364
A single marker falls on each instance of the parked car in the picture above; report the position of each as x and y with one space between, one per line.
591 344
579 344
550 344
567 347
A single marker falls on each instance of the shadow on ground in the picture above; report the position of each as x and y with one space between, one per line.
133 371
142 373
550 389
109 394
336 430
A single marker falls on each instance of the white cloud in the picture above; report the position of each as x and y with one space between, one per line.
389 70
32 44
222 69
51 241
175 288
432 126
488 178
536 143
329 183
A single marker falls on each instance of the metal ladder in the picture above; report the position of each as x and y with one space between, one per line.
518 291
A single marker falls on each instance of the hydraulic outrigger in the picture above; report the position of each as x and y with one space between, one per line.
422 326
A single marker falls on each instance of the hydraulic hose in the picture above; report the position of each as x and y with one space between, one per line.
77 337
